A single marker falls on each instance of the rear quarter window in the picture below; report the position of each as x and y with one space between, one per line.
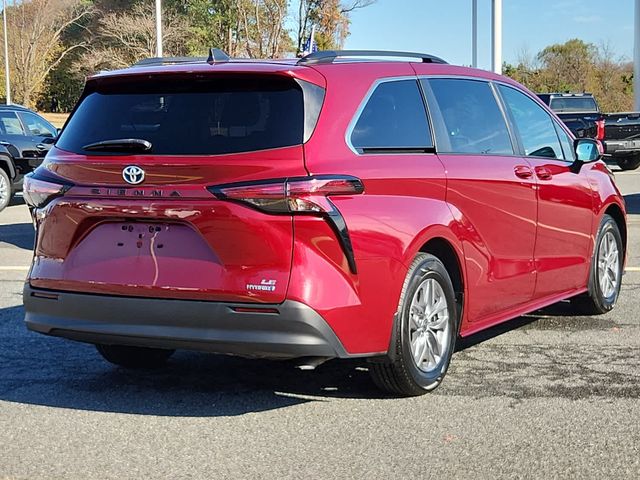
393 118
182 116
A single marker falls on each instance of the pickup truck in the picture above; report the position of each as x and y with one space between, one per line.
619 132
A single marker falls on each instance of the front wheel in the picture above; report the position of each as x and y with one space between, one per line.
605 276
134 357
425 331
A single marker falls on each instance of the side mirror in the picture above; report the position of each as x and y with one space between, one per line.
587 150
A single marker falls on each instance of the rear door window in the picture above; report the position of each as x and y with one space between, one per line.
198 116
534 124
473 121
394 118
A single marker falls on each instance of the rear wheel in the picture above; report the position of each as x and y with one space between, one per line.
605 277
629 163
134 357
5 189
425 330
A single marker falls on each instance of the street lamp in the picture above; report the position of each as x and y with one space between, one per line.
496 36
158 28
636 58
6 52
474 33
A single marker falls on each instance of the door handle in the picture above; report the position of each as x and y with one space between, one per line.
544 173
523 171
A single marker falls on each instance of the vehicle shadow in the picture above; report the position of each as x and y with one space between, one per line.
48 371
632 201
560 316
19 234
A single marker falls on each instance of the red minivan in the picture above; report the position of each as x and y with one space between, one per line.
346 204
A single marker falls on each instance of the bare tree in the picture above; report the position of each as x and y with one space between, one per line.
348 7
35 28
123 38
262 33
331 18
611 80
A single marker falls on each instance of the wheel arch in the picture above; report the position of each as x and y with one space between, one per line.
6 163
442 249
442 242
616 212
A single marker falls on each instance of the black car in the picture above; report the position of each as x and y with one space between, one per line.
25 139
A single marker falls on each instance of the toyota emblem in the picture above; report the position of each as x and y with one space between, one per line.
133 174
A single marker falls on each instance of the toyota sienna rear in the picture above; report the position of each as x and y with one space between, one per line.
314 209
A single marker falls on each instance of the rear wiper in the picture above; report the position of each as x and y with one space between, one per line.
120 145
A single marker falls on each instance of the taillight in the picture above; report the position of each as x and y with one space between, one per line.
299 195
292 195
37 192
600 129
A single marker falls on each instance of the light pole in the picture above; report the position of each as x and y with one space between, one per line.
474 33
636 57
496 36
6 52
158 28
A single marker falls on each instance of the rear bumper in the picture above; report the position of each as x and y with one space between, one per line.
620 148
296 330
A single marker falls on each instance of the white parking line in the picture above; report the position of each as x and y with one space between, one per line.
632 269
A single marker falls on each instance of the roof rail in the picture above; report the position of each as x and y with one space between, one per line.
328 56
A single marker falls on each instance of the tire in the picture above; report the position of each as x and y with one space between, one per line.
6 191
134 357
601 298
400 373
629 163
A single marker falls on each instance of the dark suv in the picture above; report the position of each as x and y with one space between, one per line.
337 206
25 139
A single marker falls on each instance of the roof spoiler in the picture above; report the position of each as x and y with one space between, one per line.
216 55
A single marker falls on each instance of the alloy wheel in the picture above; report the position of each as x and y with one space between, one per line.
608 265
429 325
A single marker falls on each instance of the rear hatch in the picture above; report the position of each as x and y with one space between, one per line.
139 154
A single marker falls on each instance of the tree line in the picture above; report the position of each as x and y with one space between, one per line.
55 44
577 66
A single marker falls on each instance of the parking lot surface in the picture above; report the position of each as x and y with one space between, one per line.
544 396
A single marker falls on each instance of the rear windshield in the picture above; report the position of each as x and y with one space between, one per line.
200 116
573 104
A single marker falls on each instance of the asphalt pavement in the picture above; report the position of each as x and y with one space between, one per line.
546 395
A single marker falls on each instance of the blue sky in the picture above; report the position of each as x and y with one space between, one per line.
443 27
